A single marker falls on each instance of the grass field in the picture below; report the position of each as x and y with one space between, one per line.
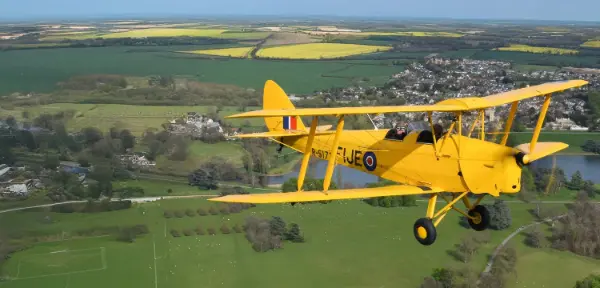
574 139
387 254
534 49
318 51
535 265
40 70
239 52
135 118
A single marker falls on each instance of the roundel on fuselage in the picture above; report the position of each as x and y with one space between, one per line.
370 161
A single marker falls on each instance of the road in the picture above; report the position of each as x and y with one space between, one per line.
488 267
137 199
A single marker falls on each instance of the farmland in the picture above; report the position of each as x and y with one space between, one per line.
591 44
239 52
135 118
318 51
228 260
40 70
534 49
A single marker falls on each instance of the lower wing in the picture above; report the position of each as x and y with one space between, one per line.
310 196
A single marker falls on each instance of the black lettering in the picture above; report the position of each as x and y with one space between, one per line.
314 153
351 159
357 158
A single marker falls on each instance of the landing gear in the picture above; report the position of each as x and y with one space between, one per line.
425 228
480 218
425 231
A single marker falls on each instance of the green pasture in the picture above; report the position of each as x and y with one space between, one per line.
40 70
349 243
135 118
573 138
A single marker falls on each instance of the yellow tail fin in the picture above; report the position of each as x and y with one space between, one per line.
275 98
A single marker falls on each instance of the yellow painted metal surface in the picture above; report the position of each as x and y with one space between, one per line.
310 196
461 164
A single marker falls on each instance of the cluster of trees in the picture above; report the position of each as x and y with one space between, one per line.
92 206
591 281
269 234
175 147
591 146
161 90
451 277
579 231
199 230
500 217
259 156
225 209
390 201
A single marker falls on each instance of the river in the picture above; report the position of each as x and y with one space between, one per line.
588 165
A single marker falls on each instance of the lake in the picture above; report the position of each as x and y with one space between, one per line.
588 165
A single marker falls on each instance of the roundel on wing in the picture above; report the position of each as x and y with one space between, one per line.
370 161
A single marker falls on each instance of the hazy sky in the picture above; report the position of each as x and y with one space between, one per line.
583 10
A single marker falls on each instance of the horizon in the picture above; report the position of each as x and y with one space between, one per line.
471 10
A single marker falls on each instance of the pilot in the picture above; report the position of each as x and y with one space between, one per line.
397 133
438 130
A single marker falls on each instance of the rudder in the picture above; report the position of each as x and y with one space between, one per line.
275 98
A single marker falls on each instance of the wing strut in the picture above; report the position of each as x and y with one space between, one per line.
307 152
509 122
333 154
538 126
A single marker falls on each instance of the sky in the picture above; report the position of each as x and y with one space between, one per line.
578 10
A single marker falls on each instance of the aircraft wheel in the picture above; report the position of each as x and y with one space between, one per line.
481 219
424 231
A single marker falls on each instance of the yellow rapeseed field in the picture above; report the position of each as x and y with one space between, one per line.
318 50
591 44
239 52
534 49
166 32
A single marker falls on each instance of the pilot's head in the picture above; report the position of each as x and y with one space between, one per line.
400 130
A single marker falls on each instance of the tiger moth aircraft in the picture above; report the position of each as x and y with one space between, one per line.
424 160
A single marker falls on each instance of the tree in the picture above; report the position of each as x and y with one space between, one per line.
466 249
576 182
278 226
591 281
127 139
293 234
500 217
534 238
204 178
444 276
51 161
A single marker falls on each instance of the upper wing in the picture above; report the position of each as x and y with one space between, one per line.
345 111
449 105
310 196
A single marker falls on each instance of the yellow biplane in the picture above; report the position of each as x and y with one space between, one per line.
424 161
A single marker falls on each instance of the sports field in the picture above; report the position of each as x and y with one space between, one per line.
389 256
318 51
535 49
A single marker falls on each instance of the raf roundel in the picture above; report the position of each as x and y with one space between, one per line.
370 161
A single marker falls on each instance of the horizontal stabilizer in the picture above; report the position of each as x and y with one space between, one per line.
280 133
310 196
542 149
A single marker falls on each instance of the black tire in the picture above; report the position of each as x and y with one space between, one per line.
425 231
483 218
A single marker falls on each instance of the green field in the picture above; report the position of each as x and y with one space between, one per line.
135 118
40 70
574 139
387 255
